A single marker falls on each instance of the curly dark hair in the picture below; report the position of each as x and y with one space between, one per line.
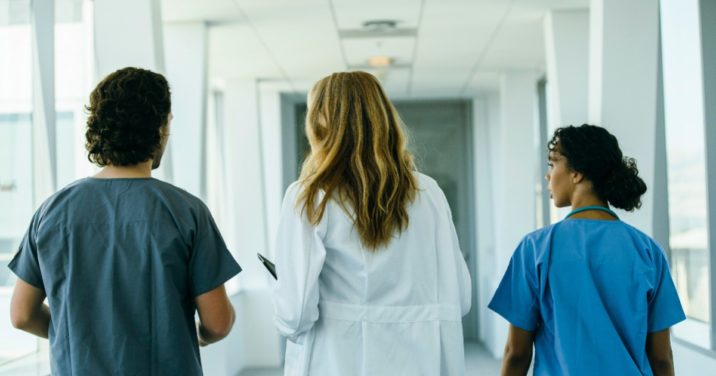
594 152
126 112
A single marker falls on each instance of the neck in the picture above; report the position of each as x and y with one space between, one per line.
581 201
140 170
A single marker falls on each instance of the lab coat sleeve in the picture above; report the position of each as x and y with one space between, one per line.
299 259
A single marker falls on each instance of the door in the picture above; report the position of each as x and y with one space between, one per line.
440 137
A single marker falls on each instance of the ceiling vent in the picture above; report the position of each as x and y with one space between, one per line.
380 25
378 29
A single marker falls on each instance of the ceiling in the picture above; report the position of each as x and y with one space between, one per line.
441 48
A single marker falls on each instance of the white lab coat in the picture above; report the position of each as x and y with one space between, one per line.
349 311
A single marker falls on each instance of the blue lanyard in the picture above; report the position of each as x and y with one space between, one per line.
592 207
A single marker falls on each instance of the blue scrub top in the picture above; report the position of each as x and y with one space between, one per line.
591 290
121 261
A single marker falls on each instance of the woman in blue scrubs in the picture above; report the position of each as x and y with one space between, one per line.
591 293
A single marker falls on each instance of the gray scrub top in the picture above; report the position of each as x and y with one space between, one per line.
121 261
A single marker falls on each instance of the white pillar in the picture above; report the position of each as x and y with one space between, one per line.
186 51
272 154
707 11
514 173
128 33
242 145
567 53
482 115
44 141
623 82
246 230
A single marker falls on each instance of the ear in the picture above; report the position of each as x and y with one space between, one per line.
577 177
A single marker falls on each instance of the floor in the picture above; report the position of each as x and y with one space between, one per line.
477 362
31 365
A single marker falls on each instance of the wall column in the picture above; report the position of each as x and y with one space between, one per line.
567 52
44 128
707 11
624 37
513 173
186 51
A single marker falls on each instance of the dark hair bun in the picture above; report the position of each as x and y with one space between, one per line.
623 188
595 153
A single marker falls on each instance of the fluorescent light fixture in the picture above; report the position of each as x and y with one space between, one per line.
380 61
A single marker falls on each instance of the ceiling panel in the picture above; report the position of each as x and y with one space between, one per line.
553 4
192 10
352 14
528 54
299 39
454 35
484 81
235 53
302 38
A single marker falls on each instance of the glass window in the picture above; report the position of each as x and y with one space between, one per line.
16 178
73 83
686 159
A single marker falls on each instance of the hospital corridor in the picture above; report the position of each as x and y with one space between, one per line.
357 187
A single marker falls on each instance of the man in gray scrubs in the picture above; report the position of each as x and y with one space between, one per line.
124 260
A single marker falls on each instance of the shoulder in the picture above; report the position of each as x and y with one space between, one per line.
294 189
537 243
640 238
429 186
636 233
540 235
425 182
59 198
170 190
647 244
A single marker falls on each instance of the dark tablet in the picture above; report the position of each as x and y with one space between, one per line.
268 264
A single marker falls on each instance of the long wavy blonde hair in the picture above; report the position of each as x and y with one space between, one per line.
358 156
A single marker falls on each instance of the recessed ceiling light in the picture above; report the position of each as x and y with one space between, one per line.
380 61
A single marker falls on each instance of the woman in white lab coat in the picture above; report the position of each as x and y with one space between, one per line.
371 280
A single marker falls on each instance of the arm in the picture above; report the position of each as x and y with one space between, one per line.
518 352
27 311
300 255
658 350
465 284
447 237
216 316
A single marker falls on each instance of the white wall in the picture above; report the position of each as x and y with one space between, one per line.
253 342
244 188
272 152
567 57
185 46
505 152
128 33
690 361
483 107
247 213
